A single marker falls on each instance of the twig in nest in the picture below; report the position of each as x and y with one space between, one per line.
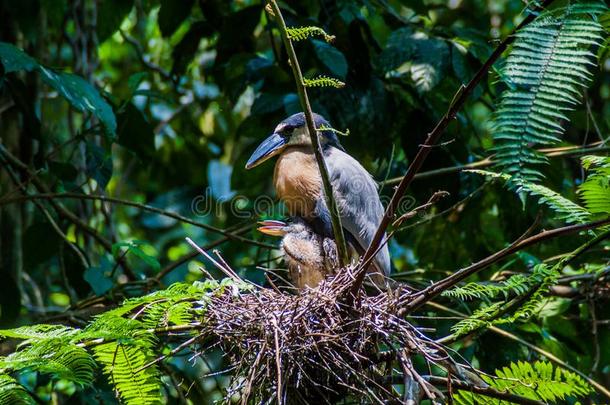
226 270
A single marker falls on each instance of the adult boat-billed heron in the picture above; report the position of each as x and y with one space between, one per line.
310 257
298 183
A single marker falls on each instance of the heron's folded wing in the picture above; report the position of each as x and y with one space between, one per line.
358 201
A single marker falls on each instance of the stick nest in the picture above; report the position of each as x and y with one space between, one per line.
318 346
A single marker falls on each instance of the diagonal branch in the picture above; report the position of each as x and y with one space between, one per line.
435 289
313 133
433 137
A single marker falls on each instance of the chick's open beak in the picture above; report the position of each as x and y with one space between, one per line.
271 146
272 227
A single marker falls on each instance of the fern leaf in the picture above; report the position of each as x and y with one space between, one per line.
323 81
12 393
517 284
543 277
477 320
124 364
532 287
302 33
595 191
546 71
41 331
55 357
538 381
565 209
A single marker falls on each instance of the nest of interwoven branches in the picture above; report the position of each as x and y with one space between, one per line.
318 345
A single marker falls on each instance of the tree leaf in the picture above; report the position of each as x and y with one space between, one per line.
331 57
172 13
146 258
99 279
184 52
82 95
14 59
40 243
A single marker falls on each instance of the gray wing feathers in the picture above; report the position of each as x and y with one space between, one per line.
358 201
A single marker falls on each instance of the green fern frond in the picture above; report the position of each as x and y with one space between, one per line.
55 357
12 393
595 191
565 209
323 81
517 284
41 331
545 277
532 288
546 70
477 320
124 364
169 313
302 33
114 323
605 21
122 340
538 381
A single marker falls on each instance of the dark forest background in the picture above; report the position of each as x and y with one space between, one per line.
171 97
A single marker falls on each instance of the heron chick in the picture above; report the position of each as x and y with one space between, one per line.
310 257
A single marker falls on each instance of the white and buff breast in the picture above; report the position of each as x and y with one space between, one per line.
297 181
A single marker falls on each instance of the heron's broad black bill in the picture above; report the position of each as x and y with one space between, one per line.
270 147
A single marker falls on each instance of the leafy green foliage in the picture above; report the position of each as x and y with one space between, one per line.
565 209
14 59
125 364
172 14
517 284
595 191
196 85
135 247
538 381
111 14
11 393
51 353
122 341
528 292
546 71
415 54
331 57
80 94
302 33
